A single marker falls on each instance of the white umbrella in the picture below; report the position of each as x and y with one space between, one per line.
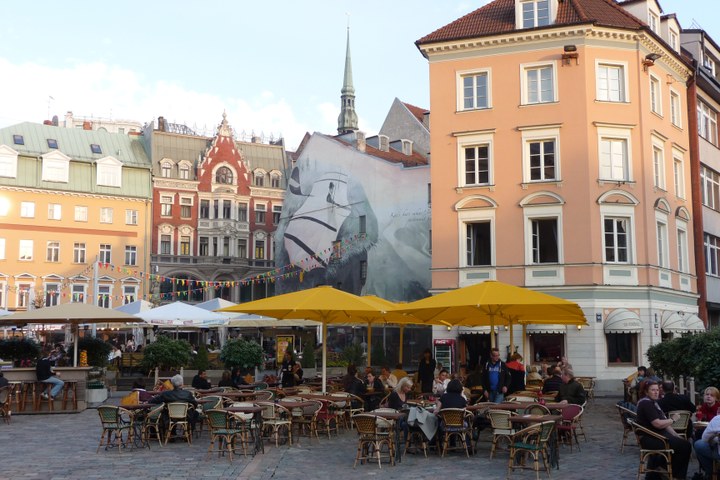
179 314
135 307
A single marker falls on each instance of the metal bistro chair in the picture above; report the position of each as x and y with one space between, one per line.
177 418
371 440
531 441
222 431
247 428
625 416
305 419
570 424
501 426
645 453
113 427
151 425
210 402
457 423
276 421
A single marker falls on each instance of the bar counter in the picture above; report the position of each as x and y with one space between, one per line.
26 376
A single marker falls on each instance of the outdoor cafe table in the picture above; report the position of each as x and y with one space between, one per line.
256 425
137 412
239 395
524 405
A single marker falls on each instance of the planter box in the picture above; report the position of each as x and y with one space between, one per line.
96 396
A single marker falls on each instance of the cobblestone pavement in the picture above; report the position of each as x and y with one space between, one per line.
63 447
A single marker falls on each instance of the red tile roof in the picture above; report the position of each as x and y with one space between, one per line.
499 17
392 156
417 112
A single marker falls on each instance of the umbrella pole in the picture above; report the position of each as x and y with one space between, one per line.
76 340
369 345
402 333
324 357
512 343
492 332
524 341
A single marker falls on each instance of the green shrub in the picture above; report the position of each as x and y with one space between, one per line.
690 356
14 349
97 351
353 354
201 361
308 359
241 353
166 354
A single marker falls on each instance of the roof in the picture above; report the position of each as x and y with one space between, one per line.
499 17
392 156
417 112
75 143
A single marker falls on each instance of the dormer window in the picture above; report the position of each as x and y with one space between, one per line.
384 143
407 148
95 148
52 143
535 13
18 140
653 21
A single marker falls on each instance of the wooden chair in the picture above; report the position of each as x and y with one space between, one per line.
588 384
537 409
371 441
151 425
221 431
113 427
456 423
625 415
569 425
664 453
681 424
531 441
177 418
276 421
70 394
305 420
264 396
501 426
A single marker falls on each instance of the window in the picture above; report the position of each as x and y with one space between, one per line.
541 155
27 209
129 293
674 43
277 213
477 164
184 245
707 123
2 253
679 175
204 208
53 252
614 159
165 245
682 249
475 91
106 215
26 250
611 83
52 294
79 252
81 213
363 271
242 248
54 211
662 244
184 172
478 244
216 213
130 255
8 162
275 180
708 63
544 240
259 179
95 148
617 240
227 208
622 347
675 111
18 140
710 188
653 21
166 202
131 217
538 84
712 255
655 95
165 169
55 169
78 293
226 247
259 213
105 253
658 167
242 212
260 249
109 172
103 296
186 207
23 291
535 13
224 175
204 247
362 224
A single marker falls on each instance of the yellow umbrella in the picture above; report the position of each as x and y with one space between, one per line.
323 304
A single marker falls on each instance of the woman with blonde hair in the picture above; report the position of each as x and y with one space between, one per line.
399 396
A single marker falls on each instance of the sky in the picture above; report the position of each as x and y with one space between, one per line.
276 67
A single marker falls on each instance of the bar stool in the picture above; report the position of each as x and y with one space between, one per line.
70 388
27 392
46 388
16 394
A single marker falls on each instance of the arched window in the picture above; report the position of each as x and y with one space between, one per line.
224 175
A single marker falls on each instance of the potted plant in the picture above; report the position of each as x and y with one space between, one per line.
166 355
247 355
19 350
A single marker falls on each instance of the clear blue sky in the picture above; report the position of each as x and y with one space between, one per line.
276 67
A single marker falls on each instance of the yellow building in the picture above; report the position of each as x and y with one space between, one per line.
70 198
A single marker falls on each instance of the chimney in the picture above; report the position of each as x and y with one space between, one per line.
360 139
407 147
47 122
69 120
384 143
87 125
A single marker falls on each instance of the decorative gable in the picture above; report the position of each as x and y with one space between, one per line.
55 167
8 162
109 172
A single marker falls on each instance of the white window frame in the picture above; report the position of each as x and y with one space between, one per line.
679 173
165 200
711 245
535 135
106 215
81 213
109 172
674 39
52 251
54 211
131 217
276 209
615 134
55 167
474 140
261 208
626 212
130 293
50 299
27 209
105 253
520 10
186 202
655 93
675 108
524 83
80 252
707 122
653 21
710 187
104 295
683 259
25 250
658 156
662 240
460 86
8 162
605 94
166 168
78 293
542 212
131 255
184 170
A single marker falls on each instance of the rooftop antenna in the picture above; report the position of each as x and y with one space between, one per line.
50 99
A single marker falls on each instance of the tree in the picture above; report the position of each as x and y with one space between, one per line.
308 358
353 354
241 353
166 354
695 356
201 360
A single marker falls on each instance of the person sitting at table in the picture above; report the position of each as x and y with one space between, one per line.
200 381
399 373
237 378
352 384
373 385
46 373
452 398
553 382
3 381
707 449
533 375
570 391
387 378
399 396
708 410
671 400
226 379
143 394
178 394
441 382
651 416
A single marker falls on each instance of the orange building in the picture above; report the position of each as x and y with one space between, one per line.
560 162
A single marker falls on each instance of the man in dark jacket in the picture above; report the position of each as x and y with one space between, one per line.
177 394
672 400
200 381
496 378
46 373
553 382
570 391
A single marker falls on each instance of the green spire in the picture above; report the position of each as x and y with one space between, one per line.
347 120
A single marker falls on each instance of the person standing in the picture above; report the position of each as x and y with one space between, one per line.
46 373
496 378
426 371
287 371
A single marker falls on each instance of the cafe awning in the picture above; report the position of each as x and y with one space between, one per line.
672 322
475 330
543 328
622 320
693 323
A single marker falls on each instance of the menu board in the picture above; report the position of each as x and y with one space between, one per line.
284 343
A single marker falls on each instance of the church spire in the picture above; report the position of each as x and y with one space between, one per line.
347 120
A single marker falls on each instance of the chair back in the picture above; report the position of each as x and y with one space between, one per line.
681 424
641 431
452 418
153 416
365 424
273 411
537 409
177 410
109 415
261 386
5 394
570 412
243 416
212 402
216 419
264 395
546 432
500 419
342 399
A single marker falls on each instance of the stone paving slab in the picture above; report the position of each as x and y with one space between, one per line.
63 446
